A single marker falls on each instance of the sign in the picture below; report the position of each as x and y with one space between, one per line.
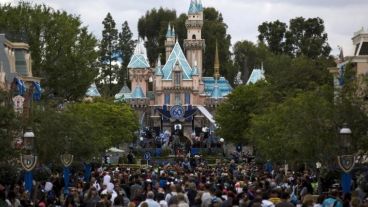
177 112
147 156
346 162
18 103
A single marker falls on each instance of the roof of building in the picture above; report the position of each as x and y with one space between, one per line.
216 92
123 93
195 7
177 56
138 92
168 33
92 91
210 83
139 59
257 75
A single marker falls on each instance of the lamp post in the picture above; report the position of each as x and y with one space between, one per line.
66 159
346 161
28 158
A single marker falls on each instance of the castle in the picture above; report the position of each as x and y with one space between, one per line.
176 93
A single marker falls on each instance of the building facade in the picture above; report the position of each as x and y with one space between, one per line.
165 95
16 68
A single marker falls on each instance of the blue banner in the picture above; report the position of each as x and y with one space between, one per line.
28 181
87 172
66 180
37 91
346 182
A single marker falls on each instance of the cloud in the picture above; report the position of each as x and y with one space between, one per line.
342 18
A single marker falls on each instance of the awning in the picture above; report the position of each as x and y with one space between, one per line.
206 113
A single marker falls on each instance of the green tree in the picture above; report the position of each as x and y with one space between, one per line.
303 37
91 127
108 53
9 125
273 34
249 56
215 29
63 51
242 104
288 76
153 26
126 49
308 37
299 129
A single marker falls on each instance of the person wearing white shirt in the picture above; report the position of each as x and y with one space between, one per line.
150 201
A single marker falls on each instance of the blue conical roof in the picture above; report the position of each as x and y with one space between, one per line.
92 91
177 56
257 75
138 92
216 93
139 59
123 93
168 33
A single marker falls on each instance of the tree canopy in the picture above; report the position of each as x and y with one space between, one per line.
63 51
303 37
91 127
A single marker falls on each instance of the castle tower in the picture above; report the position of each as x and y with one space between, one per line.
194 44
170 41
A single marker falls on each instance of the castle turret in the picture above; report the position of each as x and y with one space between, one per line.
170 41
194 44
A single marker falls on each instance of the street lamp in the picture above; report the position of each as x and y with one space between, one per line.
346 161
66 159
28 159
346 138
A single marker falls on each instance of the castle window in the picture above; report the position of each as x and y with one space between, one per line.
167 99
177 78
194 37
187 98
177 99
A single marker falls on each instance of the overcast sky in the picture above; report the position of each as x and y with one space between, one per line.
342 17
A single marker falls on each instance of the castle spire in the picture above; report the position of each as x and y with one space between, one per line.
217 64
173 32
168 33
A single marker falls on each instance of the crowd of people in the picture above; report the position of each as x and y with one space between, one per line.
182 184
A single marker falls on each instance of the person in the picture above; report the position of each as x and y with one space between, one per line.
284 200
332 200
161 198
91 197
308 201
149 200
130 157
12 200
106 179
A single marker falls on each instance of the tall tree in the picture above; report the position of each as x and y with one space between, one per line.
109 52
63 51
242 104
92 128
126 48
308 37
273 34
303 37
153 26
215 29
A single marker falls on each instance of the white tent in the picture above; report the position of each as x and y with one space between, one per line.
114 149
